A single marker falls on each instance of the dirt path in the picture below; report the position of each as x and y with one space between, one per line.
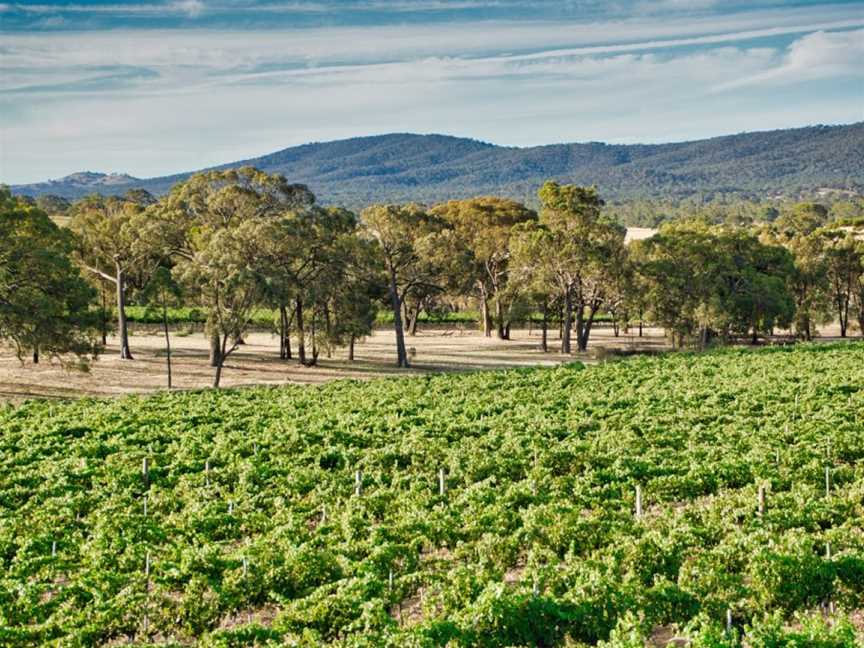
257 362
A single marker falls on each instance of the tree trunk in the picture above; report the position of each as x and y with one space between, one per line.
284 340
301 333
314 360
327 329
415 317
122 329
754 337
583 328
406 316
580 325
844 316
167 341
351 349
544 340
214 349
396 303
484 312
104 316
36 355
220 362
503 333
567 322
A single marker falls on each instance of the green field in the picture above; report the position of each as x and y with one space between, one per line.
269 319
533 542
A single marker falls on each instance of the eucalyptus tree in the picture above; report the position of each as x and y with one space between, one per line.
858 288
797 230
44 301
227 279
408 237
574 249
312 262
714 280
111 245
844 267
675 269
750 285
216 226
350 287
484 226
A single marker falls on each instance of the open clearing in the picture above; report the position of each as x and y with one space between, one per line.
257 362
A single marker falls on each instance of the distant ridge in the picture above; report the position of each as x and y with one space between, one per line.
431 168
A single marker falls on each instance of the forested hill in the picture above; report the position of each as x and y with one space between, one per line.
431 168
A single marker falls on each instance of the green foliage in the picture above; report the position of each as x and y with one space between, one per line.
533 543
44 302
700 278
809 631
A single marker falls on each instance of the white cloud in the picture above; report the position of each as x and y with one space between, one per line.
191 8
815 56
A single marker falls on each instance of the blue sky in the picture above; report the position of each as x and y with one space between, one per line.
152 88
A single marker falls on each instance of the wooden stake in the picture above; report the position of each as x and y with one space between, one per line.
390 581
54 549
761 500
827 481
145 470
230 508
828 551
323 513
245 566
207 471
638 502
728 620
147 602
358 483
441 485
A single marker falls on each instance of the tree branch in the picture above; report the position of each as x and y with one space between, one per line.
107 277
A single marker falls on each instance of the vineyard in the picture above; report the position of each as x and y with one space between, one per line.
715 498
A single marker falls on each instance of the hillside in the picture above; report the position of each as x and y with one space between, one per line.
488 509
431 168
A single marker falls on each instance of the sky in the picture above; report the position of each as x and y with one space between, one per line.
164 86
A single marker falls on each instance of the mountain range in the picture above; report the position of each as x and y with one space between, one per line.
431 168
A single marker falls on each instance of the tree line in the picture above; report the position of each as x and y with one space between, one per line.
230 242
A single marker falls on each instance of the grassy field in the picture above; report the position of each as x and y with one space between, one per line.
269 319
264 318
480 509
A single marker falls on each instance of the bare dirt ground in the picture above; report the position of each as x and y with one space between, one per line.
257 362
